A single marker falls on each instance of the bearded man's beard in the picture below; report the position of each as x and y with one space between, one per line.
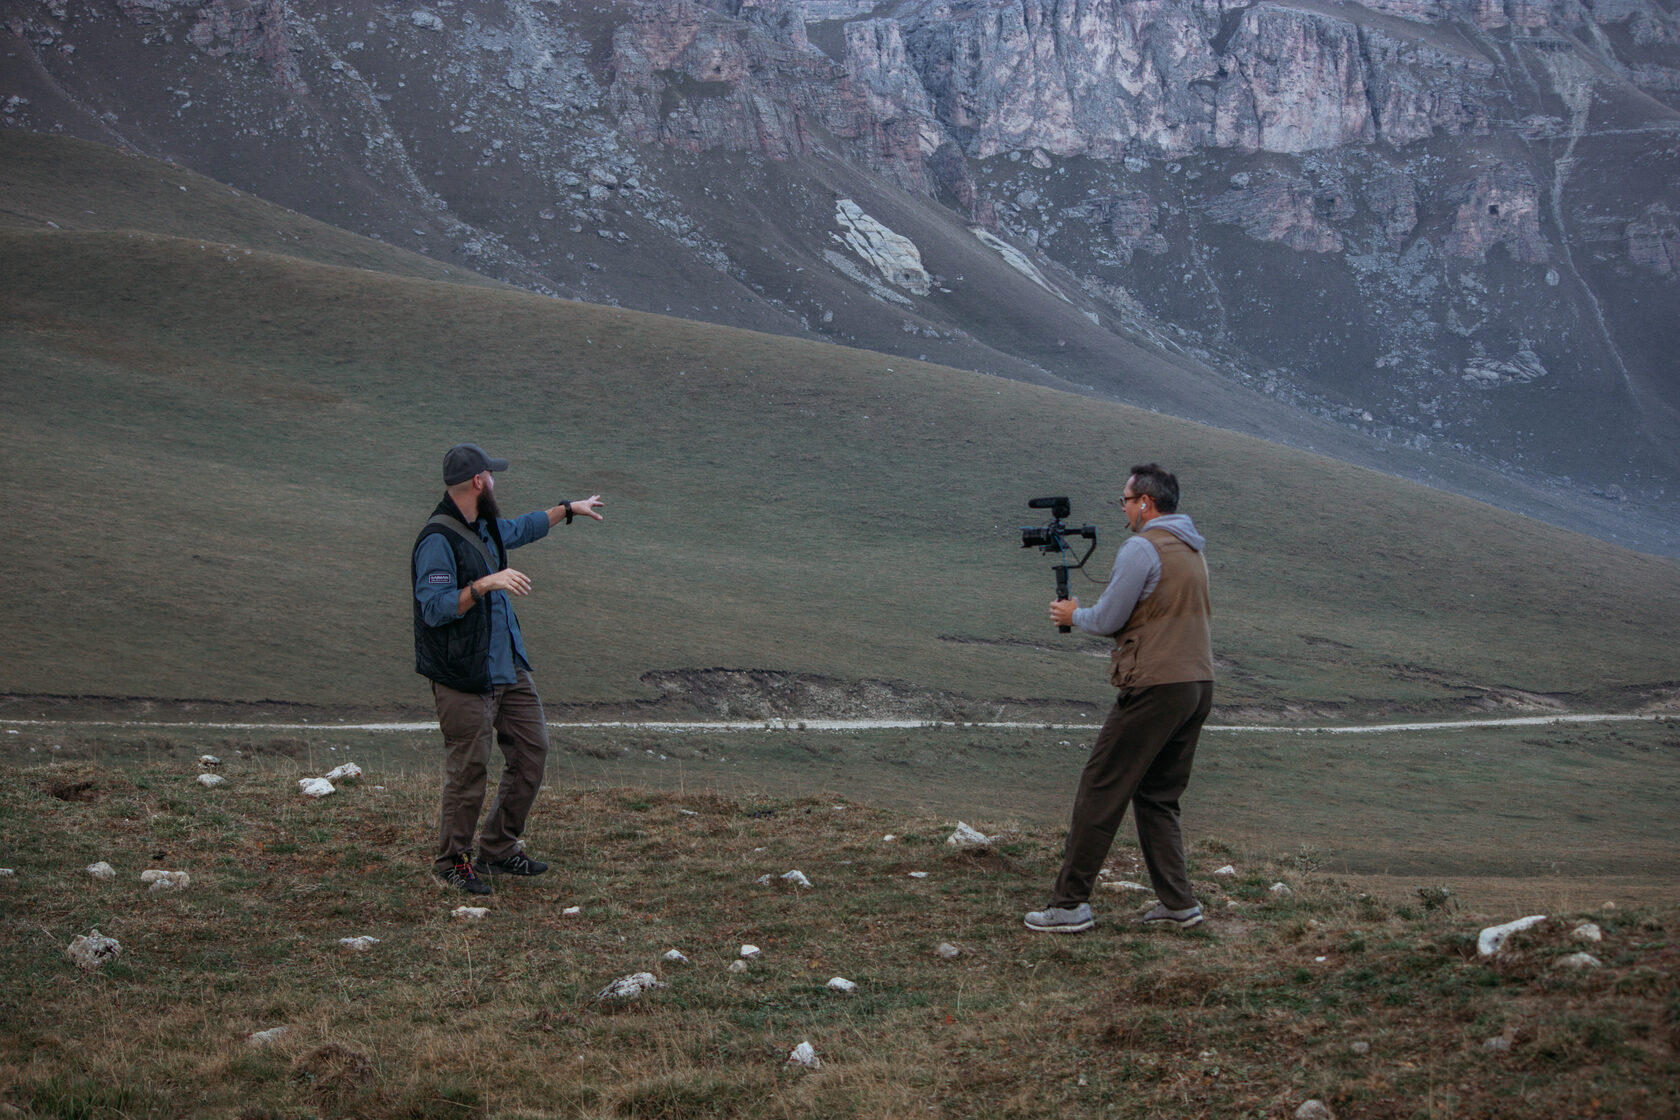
487 507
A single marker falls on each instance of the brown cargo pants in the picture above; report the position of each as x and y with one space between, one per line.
511 714
1142 757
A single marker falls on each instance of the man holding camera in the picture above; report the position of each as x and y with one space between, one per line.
1156 608
467 642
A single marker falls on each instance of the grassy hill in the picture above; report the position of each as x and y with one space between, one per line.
220 453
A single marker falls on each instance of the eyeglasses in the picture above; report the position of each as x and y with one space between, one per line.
1124 498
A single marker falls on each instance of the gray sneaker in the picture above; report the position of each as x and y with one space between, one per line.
1180 919
1052 919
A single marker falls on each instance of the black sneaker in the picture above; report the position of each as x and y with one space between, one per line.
517 864
464 876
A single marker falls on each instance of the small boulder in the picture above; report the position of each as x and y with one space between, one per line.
209 761
1587 931
346 772
805 1055
841 984
1281 890
630 987
737 966
797 878
1580 961
101 870
315 787
162 882
1492 939
211 781
967 838
1225 872
470 913
358 944
675 956
93 950
1314 1110
751 952
949 951
265 1038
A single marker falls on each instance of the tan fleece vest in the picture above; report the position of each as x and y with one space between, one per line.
1169 637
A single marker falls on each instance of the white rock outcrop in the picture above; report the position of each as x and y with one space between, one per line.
345 772
891 254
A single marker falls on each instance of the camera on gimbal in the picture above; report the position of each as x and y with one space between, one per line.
1055 536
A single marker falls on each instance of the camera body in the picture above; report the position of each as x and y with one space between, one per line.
1055 536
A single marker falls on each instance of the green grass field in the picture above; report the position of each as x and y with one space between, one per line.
1375 1002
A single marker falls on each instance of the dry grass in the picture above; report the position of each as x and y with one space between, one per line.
1248 1016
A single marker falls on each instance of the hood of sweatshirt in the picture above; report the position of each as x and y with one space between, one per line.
1180 526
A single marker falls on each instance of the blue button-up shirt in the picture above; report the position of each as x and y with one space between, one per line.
438 593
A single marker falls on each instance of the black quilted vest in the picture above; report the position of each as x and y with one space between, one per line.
457 653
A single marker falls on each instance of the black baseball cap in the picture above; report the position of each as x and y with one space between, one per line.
465 460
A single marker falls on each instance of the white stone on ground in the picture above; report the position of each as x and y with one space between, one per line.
751 952
1492 939
1281 890
631 986
101 870
1122 885
359 944
1587 931
1580 960
471 913
572 911
675 956
1314 1110
211 781
265 1038
969 838
841 984
315 787
346 771
209 760
805 1055
93 950
161 882
918 874
737 966
949 951
1226 871
797 878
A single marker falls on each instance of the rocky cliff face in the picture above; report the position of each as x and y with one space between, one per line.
1445 227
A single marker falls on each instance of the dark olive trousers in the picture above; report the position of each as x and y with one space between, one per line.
512 716
1141 758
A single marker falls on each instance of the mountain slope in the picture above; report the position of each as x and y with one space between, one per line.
1436 239
226 452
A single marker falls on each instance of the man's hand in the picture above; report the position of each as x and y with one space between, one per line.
589 506
509 580
1061 611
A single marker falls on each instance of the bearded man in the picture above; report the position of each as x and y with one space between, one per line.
467 643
